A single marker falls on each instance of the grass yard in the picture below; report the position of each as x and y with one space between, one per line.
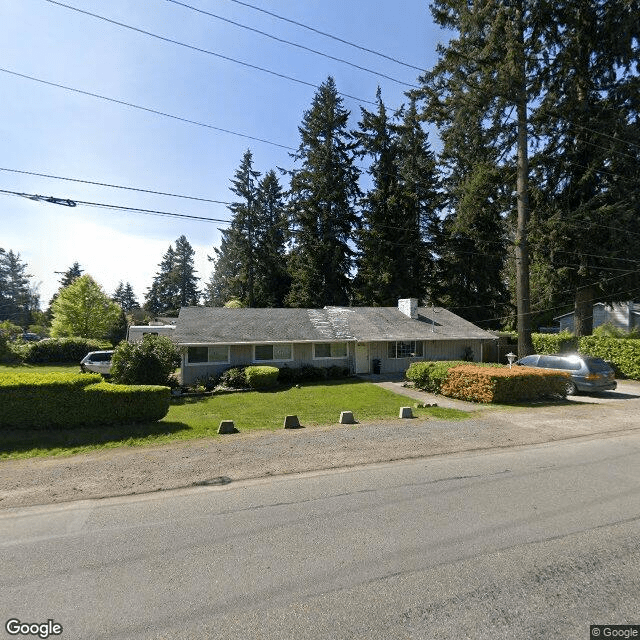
40 368
314 404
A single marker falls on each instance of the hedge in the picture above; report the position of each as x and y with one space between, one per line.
62 350
550 343
261 377
499 384
61 400
430 375
624 354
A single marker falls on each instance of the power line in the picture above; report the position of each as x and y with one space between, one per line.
290 43
147 109
114 186
329 35
114 207
200 49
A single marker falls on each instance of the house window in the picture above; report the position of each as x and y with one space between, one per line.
208 355
330 350
405 349
272 352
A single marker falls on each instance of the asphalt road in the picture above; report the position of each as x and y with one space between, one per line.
531 542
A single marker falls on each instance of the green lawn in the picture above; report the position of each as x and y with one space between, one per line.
40 368
314 404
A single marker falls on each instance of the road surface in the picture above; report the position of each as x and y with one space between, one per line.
531 542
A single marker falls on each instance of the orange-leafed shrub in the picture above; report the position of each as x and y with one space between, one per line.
488 384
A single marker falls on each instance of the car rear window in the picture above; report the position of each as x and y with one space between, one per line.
596 364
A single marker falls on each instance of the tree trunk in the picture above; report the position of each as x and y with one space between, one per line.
525 344
583 315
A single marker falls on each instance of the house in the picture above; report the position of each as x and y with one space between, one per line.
622 315
362 339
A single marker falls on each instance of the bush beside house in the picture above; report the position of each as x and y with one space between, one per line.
485 382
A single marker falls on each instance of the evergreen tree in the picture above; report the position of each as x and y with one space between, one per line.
18 300
487 74
68 276
249 265
272 279
399 220
323 192
185 274
175 284
125 297
587 231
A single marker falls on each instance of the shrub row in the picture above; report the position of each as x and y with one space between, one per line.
240 378
622 353
61 350
499 384
61 400
431 375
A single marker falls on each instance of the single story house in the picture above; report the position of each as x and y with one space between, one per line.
622 315
362 339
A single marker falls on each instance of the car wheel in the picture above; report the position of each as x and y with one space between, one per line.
571 388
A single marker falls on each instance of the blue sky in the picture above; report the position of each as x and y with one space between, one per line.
48 130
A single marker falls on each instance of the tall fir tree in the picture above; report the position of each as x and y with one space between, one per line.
399 212
175 283
487 74
323 193
125 297
587 232
235 261
18 299
272 281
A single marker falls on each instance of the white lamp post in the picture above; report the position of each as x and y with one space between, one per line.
511 357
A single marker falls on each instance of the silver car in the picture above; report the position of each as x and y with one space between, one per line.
588 374
98 362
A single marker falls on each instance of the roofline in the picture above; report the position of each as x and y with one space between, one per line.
354 340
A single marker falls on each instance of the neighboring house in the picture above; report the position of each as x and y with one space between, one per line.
212 339
622 315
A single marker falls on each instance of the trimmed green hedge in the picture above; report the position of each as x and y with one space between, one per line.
62 400
62 350
550 343
623 353
261 377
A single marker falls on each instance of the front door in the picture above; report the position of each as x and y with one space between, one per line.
362 357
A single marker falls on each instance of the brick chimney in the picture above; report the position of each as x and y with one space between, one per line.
409 306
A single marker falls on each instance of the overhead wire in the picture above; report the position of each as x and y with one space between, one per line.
329 35
199 49
290 43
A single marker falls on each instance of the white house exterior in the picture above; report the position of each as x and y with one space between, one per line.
622 315
212 339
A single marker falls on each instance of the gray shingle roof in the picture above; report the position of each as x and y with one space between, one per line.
215 325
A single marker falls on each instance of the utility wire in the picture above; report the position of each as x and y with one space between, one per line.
200 49
147 109
329 35
290 43
115 186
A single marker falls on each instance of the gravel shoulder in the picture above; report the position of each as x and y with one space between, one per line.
257 454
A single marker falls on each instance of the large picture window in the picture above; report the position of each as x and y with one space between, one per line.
208 355
330 350
405 349
273 352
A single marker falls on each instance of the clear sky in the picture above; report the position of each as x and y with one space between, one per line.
50 130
